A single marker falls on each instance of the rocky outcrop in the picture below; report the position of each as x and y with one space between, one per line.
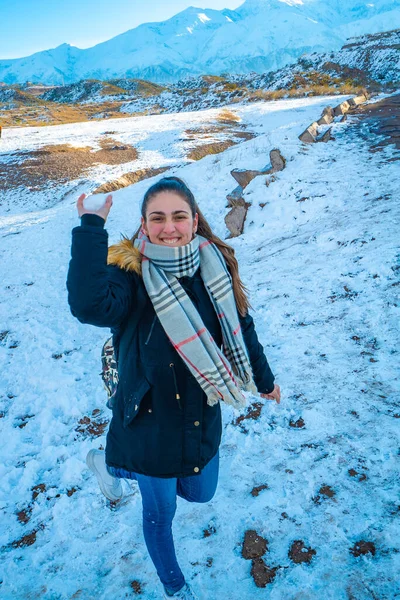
341 109
235 198
245 176
236 217
312 134
278 162
309 135
325 136
327 116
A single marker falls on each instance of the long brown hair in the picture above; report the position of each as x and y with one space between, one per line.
178 186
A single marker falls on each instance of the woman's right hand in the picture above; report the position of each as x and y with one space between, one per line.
101 212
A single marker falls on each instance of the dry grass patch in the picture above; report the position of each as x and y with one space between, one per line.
206 149
129 179
228 117
52 113
226 120
61 163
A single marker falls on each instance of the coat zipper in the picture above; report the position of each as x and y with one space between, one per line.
151 330
177 396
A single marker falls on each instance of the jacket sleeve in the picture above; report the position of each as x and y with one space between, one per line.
98 294
263 376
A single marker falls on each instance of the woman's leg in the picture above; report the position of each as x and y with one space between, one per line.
159 506
200 488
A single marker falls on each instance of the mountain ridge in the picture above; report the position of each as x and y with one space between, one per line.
260 36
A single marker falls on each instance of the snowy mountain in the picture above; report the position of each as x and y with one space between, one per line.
261 35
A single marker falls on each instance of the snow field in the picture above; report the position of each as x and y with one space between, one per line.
320 261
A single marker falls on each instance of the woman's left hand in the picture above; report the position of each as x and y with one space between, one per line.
274 395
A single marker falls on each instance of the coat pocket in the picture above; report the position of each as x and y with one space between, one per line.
132 402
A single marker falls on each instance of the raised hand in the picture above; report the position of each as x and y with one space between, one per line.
101 212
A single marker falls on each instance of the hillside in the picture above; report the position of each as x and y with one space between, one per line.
369 63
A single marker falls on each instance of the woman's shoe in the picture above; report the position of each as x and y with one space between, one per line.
110 486
186 593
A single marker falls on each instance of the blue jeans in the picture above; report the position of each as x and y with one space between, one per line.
159 507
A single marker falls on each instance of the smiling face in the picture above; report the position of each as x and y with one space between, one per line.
169 220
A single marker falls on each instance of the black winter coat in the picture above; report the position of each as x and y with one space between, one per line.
161 423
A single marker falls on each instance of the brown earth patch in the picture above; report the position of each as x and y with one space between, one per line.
253 412
212 131
256 490
61 163
254 545
92 427
129 179
299 553
210 531
261 573
206 149
362 547
325 491
354 473
38 489
24 515
381 118
136 587
27 540
299 424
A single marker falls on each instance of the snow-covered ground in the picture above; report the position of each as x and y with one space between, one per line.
321 261
160 141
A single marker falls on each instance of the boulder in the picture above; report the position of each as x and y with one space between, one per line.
325 119
235 198
328 111
278 162
244 176
341 109
235 219
309 135
326 136
357 100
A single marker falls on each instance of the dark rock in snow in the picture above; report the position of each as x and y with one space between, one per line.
309 135
278 162
235 220
326 136
235 198
243 177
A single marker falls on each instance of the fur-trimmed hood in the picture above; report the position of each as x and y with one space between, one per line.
125 256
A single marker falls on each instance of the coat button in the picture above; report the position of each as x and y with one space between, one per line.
136 407
150 410
197 423
196 469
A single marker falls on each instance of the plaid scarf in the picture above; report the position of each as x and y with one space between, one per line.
221 375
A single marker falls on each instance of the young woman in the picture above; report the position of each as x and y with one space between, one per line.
184 340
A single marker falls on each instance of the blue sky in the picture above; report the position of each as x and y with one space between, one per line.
28 26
